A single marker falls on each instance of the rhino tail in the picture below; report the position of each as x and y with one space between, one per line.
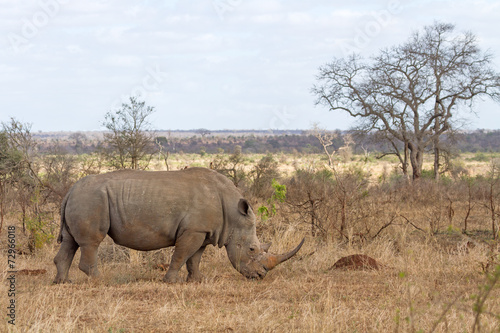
63 218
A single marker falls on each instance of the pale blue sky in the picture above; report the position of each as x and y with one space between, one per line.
216 64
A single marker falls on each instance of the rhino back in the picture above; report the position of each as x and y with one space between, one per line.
149 210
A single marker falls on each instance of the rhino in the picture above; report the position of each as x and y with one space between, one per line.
150 210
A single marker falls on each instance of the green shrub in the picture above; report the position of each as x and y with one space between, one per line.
40 231
279 195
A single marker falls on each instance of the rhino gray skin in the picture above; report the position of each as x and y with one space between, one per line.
146 210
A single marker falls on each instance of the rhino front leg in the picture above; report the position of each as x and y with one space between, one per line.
193 266
187 245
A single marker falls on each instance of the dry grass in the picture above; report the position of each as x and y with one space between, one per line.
420 280
288 163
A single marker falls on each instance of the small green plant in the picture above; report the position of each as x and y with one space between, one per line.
263 212
279 195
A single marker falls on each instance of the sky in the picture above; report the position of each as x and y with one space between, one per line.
214 64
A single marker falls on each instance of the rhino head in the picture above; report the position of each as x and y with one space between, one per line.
247 255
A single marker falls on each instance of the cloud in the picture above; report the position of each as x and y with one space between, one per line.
232 71
123 61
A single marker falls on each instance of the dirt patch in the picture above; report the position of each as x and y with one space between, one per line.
356 262
32 271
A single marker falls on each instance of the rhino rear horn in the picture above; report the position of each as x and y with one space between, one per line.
269 261
265 247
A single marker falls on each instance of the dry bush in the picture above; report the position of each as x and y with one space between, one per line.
310 196
60 172
340 204
230 166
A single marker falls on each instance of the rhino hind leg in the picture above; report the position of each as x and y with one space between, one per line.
88 260
193 266
64 257
186 246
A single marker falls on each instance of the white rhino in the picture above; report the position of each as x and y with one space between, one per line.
146 210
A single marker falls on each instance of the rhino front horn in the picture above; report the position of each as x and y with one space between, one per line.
269 261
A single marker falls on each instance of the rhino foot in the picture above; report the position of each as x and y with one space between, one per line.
172 278
61 281
198 278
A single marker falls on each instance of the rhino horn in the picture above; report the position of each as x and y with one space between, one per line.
265 247
269 261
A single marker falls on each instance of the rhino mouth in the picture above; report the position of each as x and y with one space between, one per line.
253 270
262 275
258 275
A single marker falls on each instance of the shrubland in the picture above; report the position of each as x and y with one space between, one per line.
436 243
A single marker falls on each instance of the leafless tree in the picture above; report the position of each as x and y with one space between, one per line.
326 139
411 91
130 137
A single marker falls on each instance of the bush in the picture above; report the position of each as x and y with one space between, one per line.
41 231
230 166
310 195
263 174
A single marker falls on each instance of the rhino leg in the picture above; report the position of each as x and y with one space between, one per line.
88 260
64 257
187 245
193 266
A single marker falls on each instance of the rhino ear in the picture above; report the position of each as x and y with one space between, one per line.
243 207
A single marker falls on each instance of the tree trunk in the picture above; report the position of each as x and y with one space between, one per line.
416 160
436 161
405 161
436 144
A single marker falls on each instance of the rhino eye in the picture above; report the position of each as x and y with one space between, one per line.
252 249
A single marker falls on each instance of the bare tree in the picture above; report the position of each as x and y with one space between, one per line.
411 91
326 139
130 136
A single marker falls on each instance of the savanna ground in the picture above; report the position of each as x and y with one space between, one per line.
431 278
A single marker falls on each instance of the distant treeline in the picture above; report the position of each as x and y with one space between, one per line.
288 143
261 143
